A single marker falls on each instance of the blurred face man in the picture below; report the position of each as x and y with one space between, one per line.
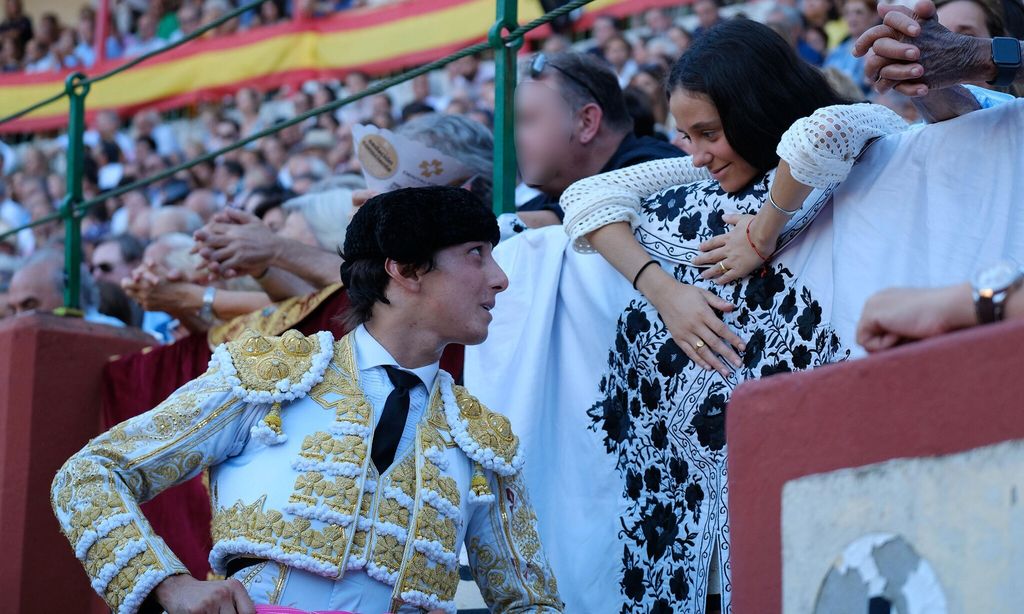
545 136
557 143
108 263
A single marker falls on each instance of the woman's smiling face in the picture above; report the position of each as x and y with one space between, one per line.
702 136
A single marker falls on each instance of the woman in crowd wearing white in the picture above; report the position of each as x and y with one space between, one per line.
684 345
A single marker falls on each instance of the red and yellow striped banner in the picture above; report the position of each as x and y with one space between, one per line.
376 41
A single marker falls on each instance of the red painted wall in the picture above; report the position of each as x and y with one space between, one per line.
946 395
49 408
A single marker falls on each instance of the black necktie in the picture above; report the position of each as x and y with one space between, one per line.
392 419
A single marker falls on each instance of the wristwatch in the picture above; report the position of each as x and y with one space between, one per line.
1007 58
206 311
992 286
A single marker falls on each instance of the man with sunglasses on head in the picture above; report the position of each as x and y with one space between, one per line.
571 123
115 257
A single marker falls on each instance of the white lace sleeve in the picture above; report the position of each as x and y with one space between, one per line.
822 147
615 196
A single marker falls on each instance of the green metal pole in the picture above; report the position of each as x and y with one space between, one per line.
504 106
76 92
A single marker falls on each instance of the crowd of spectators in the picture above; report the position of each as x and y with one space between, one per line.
264 222
41 43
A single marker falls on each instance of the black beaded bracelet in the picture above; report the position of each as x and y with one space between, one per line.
636 278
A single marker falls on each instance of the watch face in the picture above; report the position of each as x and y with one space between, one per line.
997 277
1005 51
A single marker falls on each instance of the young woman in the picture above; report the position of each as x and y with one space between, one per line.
768 140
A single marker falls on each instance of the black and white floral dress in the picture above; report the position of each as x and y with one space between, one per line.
663 417
659 415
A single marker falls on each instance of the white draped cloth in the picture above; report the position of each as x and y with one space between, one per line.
924 207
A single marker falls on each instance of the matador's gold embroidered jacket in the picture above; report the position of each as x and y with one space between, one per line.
286 430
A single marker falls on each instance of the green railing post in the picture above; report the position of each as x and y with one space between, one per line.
505 67
76 91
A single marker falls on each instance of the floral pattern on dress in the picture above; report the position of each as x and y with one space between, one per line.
663 417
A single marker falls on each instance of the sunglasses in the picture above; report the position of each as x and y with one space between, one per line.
540 62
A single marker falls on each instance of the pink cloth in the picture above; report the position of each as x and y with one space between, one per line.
280 609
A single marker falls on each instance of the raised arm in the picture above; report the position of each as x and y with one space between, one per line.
601 211
596 202
822 148
237 243
318 267
913 53
818 151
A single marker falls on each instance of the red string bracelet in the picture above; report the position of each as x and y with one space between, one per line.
764 260
754 247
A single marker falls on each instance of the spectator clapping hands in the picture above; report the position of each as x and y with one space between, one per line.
236 243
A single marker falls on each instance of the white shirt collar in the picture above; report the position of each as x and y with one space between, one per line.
370 353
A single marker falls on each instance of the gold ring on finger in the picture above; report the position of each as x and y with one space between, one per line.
700 344
721 263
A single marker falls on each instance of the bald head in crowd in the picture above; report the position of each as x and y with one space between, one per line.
173 219
39 284
203 203
173 252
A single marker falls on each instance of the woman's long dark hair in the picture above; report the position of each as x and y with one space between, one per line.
756 82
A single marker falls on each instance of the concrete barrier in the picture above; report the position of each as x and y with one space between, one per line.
909 420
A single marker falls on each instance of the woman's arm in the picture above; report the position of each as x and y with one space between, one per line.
688 311
599 213
597 201
822 148
817 151
734 255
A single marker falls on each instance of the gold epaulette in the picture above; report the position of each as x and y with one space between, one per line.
486 436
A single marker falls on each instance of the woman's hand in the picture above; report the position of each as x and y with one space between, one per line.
731 255
688 313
